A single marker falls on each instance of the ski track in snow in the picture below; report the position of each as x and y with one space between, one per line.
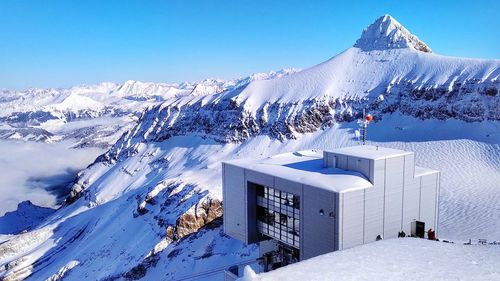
470 186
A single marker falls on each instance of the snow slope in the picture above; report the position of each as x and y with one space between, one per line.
150 207
397 259
27 216
164 180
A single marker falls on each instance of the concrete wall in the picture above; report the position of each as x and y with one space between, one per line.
234 200
396 199
374 203
411 194
353 210
360 165
351 163
428 193
317 235
394 173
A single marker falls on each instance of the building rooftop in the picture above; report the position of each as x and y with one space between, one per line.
421 171
370 152
306 167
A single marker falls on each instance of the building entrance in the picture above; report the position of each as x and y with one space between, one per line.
283 256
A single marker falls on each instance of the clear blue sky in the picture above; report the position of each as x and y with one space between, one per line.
60 43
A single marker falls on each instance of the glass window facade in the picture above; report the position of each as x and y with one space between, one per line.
278 215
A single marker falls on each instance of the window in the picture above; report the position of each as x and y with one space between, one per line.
278 214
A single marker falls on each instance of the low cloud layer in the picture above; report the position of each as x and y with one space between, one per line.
38 171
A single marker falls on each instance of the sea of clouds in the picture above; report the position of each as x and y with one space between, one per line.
39 172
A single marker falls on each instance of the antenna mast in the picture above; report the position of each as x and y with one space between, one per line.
364 124
364 127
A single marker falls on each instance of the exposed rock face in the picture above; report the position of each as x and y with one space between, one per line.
191 221
227 121
174 195
472 101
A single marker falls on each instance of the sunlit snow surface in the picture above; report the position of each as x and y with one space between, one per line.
102 227
397 259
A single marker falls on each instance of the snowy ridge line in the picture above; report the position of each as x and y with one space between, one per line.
395 79
47 115
229 122
89 100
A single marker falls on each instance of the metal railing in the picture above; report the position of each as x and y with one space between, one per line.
214 271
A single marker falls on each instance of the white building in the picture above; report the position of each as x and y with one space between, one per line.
308 203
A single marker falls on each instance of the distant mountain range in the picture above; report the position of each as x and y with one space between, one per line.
99 113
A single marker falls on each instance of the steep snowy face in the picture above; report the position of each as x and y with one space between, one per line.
387 33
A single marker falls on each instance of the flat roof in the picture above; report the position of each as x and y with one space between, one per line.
421 171
306 167
370 152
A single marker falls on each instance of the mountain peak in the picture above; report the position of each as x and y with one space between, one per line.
387 33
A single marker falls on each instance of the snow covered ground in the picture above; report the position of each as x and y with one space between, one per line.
396 259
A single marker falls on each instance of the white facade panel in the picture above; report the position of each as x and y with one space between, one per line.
378 172
341 161
374 202
353 219
339 237
393 196
259 178
409 166
317 230
329 160
374 213
428 200
360 165
234 201
288 186
411 203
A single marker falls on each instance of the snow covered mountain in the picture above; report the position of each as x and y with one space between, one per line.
386 33
150 207
97 115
